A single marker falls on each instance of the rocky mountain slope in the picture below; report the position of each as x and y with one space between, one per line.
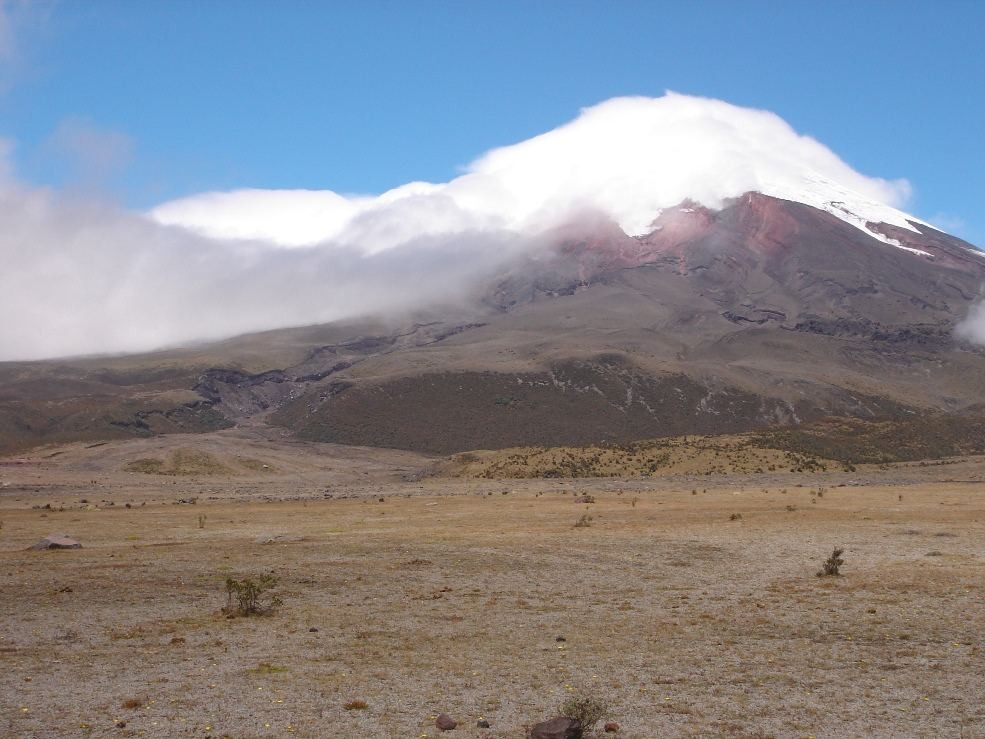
766 313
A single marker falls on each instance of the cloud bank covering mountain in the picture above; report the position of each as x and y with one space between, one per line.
86 276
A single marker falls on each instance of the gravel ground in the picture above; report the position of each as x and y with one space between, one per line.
687 622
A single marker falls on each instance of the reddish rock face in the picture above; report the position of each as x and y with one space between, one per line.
753 227
677 227
944 249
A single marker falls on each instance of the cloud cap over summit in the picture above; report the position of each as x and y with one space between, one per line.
627 157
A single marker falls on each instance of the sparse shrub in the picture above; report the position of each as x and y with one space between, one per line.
735 517
201 522
832 565
583 523
791 508
132 703
249 597
356 706
587 710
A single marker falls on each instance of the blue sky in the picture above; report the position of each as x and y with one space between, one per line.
180 97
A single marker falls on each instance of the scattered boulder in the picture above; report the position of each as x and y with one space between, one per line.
557 728
445 722
612 727
56 541
482 723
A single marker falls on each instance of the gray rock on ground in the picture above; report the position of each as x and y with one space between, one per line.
56 541
557 728
445 722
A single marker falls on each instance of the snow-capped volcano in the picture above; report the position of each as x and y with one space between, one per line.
628 158
656 266
610 189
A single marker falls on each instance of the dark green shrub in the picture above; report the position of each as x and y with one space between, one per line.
832 565
249 597
585 709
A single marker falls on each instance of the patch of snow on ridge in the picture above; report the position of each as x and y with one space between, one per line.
849 206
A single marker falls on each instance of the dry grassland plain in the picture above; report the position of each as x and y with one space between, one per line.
690 605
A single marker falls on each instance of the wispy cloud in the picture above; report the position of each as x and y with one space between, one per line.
6 31
81 276
947 222
18 18
90 154
972 328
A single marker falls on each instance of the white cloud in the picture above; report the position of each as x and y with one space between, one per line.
628 157
82 276
972 328
285 217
